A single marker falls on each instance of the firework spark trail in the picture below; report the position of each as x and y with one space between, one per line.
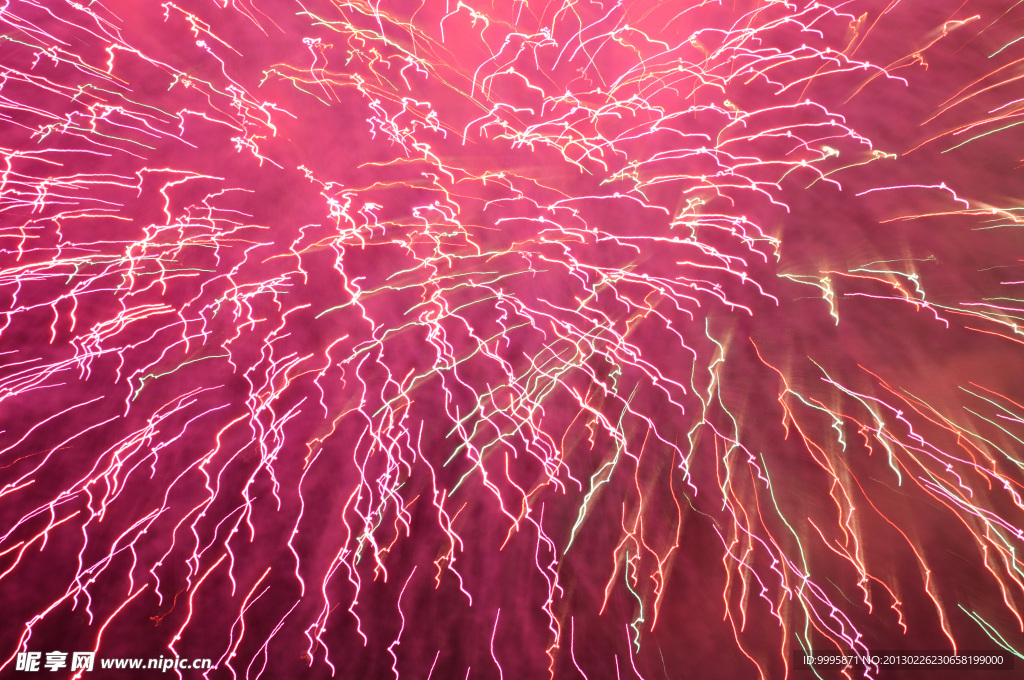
300 301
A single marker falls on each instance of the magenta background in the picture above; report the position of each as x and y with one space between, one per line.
825 230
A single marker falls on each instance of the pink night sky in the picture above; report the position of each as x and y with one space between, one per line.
511 339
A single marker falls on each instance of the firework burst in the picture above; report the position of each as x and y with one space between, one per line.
593 339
